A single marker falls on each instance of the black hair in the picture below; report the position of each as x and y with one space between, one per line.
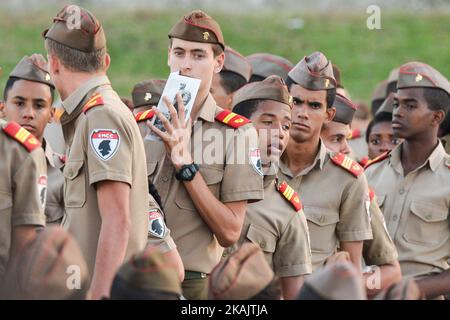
255 78
391 87
231 81
437 99
379 117
331 93
247 108
10 82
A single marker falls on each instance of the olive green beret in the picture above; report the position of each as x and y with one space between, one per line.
314 72
148 92
197 26
266 64
418 74
29 69
237 63
85 35
271 88
345 109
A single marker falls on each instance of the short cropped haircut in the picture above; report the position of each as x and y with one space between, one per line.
231 81
247 108
10 82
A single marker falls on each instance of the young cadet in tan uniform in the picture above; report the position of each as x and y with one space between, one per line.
23 187
28 101
236 72
333 188
105 153
380 251
266 64
277 224
204 198
411 182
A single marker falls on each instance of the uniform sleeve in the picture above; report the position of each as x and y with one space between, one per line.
381 249
354 223
30 190
158 232
110 146
243 178
293 253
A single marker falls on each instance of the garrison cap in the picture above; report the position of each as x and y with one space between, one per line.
271 88
314 72
334 281
418 74
39 271
266 64
77 28
242 275
380 91
337 75
144 273
387 106
32 70
237 63
197 26
148 92
345 109
393 76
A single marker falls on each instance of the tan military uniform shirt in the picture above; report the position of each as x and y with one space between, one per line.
103 144
381 249
446 142
158 232
280 231
227 179
335 204
22 191
54 208
416 209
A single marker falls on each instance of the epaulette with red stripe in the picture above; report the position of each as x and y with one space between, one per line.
347 163
94 101
371 194
380 158
22 135
144 115
232 119
291 195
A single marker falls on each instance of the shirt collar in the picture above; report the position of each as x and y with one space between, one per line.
433 160
72 101
208 110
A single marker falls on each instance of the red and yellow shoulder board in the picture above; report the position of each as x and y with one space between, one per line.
291 195
381 157
232 119
22 135
144 115
348 164
371 194
95 100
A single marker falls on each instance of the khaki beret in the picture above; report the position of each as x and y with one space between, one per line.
147 271
41 270
197 26
31 70
266 64
240 276
418 74
334 281
237 63
387 106
380 91
314 72
77 28
271 88
148 92
345 109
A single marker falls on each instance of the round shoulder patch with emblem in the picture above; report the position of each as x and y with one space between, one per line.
105 142
254 156
156 224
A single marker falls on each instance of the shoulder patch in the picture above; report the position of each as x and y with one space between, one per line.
22 136
144 115
290 194
380 158
348 164
94 101
156 224
232 119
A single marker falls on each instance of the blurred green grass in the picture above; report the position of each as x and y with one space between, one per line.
137 42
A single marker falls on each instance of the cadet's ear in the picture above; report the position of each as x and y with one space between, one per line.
219 61
52 115
53 63
107 61
2 106
331 112
438 117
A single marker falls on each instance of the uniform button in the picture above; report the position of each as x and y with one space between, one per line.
394 217
429 216
262 244
401 191
165 179
224 255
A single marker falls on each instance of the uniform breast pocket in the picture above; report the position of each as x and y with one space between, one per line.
322 228
212 175
427 224
263 238
75 186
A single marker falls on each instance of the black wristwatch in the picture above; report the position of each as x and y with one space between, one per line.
187 172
